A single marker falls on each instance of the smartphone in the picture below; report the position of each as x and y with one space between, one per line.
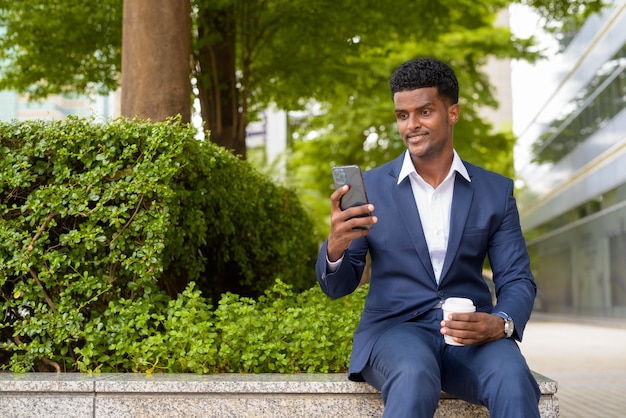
356 195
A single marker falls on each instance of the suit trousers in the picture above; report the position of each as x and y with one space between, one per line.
410 364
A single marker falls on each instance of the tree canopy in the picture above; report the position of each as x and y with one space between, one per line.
246 53
329 58
52 47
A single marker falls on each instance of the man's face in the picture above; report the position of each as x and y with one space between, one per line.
425 122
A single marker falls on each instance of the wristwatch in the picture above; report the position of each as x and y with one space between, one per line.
508 323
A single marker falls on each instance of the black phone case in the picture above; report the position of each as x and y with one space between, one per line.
352 176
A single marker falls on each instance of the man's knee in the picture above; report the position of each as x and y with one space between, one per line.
413 379
515 383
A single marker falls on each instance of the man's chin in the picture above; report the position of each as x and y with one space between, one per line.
417 149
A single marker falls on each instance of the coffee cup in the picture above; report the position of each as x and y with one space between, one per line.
456 305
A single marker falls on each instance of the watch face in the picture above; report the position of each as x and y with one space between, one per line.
508 327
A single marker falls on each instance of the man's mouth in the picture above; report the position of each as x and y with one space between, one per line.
416 136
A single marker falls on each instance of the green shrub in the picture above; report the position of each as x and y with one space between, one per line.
281 332
151 334
284 332
252 231
94 214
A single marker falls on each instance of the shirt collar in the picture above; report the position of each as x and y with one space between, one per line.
457 165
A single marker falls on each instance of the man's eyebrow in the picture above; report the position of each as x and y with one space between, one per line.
425 105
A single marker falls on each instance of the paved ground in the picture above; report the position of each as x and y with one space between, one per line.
586 358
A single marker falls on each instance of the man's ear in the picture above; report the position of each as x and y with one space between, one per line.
454 112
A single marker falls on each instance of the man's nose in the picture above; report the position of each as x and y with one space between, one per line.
414 122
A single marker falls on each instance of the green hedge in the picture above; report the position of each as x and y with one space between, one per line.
98 218
281 332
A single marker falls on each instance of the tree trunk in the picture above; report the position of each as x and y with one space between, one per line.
222 111
156 51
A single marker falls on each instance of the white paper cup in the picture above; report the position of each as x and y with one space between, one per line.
456 305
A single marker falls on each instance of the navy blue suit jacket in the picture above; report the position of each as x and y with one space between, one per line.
484 222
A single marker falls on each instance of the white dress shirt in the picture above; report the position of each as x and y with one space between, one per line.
434 206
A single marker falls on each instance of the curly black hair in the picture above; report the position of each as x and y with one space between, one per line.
426 72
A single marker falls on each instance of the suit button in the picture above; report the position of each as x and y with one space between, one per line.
440 293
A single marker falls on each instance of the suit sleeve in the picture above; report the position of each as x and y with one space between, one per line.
347 277
510 263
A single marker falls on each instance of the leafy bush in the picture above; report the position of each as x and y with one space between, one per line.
94 214
285 332
248 230
281 332
151 333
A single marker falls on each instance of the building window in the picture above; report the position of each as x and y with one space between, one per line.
601 100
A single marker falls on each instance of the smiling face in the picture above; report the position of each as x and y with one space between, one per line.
425 122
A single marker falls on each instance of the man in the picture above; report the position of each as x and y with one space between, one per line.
434 220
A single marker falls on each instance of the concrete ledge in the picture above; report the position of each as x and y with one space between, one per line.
51 395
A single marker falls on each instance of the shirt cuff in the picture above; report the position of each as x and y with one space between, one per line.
333 266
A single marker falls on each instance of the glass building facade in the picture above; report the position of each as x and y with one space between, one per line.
17 107
572 168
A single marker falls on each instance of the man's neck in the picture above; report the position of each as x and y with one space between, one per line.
433 170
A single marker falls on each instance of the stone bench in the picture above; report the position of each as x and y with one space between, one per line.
73 395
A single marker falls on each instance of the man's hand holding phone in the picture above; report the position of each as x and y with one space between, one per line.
355 220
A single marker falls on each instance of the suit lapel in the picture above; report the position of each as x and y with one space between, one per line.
461 203
403 195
